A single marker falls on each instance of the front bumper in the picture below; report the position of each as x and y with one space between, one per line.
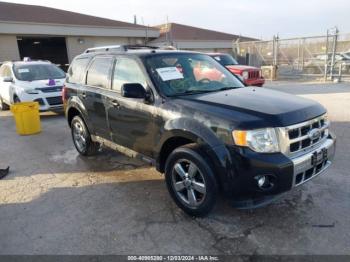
284 172
47 101
255 82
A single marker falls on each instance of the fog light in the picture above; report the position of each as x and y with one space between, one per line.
262 181
265 182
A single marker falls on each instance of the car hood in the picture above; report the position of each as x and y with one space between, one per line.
47 83
256 108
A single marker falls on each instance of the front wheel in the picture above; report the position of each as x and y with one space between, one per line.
190 180
82 138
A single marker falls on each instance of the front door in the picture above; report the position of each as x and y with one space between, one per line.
131 120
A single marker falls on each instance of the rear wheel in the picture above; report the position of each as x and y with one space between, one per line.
82 138
3 106
191 181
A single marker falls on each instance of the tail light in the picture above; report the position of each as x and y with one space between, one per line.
64 94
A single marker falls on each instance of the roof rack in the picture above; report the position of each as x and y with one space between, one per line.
122 48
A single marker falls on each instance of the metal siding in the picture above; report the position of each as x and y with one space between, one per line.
8 48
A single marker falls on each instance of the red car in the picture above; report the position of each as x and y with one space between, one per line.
251 76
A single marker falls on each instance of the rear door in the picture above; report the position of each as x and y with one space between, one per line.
131 120
97 86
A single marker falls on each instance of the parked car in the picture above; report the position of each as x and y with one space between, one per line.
27 81
316 65
207 136
251 76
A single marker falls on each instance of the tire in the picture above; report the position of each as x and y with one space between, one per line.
3 106
16 100
194 188
82 138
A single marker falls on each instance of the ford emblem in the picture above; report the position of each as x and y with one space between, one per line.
314 134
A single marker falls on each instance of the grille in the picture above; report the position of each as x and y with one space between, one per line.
253 74
54 101
50 89
310 173
303 136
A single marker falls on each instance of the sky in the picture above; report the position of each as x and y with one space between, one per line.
254 18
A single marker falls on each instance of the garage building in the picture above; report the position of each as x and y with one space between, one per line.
198 39
51 34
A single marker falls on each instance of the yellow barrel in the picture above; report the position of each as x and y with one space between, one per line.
27 118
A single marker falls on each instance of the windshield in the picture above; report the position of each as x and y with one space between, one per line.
32 72
347 55
183 74
225 60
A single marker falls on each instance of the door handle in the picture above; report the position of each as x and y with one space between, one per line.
115 104
83 95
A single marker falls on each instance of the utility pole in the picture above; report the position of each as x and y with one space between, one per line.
334 50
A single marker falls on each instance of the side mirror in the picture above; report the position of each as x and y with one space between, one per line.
133 90
7 79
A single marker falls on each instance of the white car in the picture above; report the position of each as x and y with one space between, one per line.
38 81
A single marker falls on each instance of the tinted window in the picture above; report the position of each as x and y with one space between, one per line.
98 73
225 60
33 72
127 71
76 71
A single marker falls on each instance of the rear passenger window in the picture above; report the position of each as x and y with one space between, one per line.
98 74
76 71
127 71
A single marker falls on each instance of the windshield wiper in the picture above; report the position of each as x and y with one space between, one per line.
226 88
194 92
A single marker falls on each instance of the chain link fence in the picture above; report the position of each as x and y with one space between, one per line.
318 57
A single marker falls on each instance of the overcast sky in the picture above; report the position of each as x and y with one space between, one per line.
255 18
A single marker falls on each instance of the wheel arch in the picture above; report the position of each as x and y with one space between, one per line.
76 107
188 131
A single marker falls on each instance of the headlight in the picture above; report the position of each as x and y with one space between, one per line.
260 140
245 75
32 91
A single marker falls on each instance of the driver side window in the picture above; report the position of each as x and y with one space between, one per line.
127 71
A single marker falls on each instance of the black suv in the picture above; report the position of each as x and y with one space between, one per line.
206 136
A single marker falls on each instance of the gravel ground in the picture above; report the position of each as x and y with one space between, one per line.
56 202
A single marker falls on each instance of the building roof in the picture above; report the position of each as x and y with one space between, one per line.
178 32
10 12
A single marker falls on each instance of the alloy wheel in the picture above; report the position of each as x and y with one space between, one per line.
188 183
79 136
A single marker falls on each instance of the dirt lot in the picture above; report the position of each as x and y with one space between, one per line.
56 202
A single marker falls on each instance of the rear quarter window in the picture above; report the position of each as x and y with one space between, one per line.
76 71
